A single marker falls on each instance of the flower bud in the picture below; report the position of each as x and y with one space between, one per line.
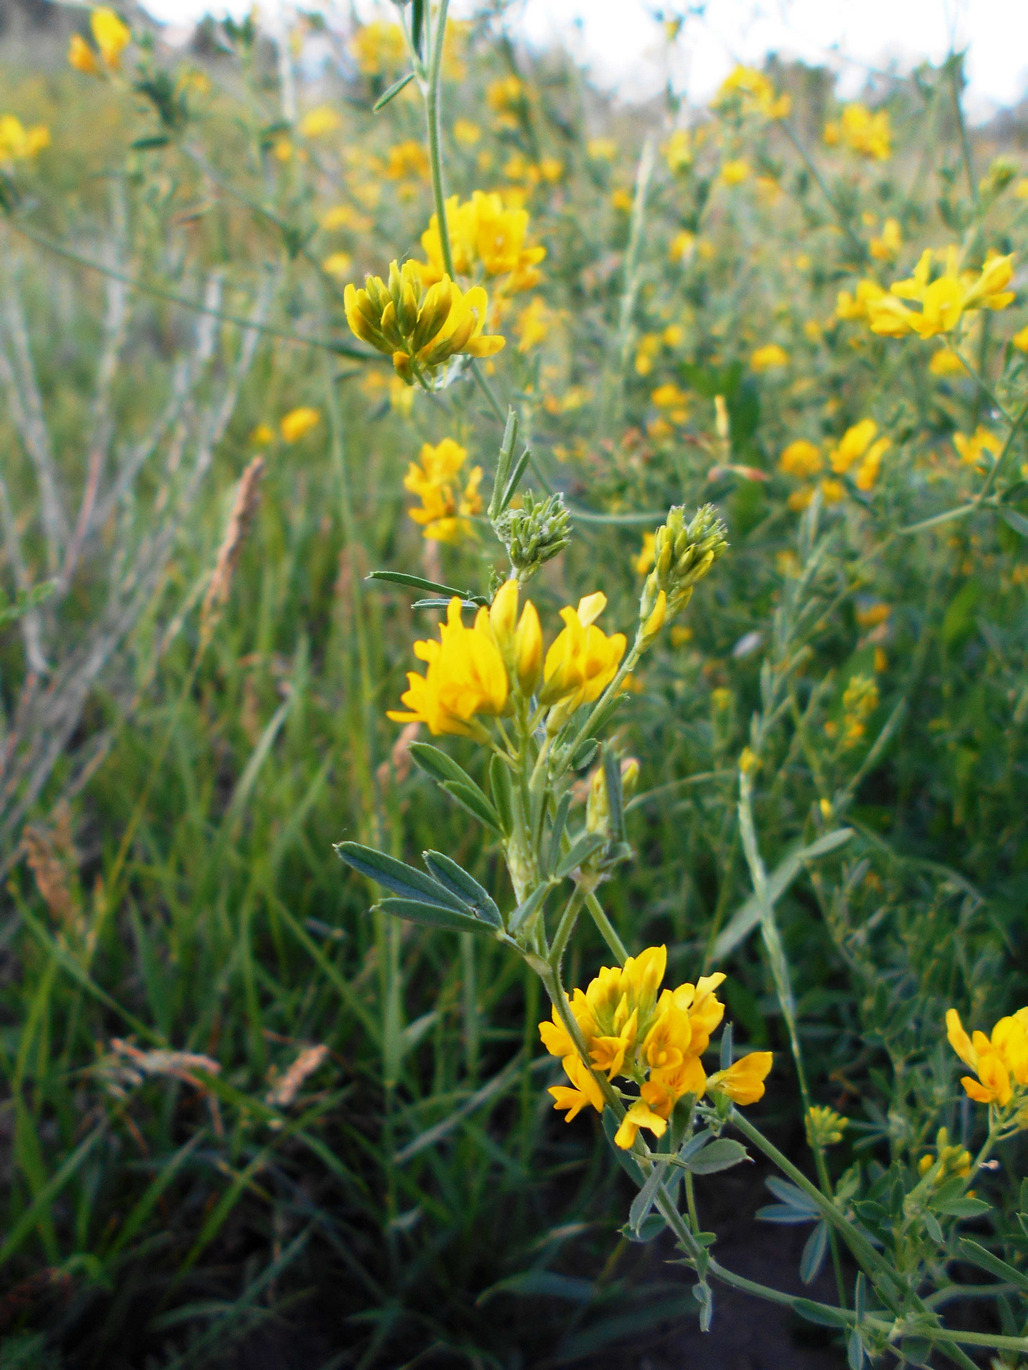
683 554
534 533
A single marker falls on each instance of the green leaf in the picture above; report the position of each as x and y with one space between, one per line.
392 92
720 1154
964 1208
528 907
540 1284
437 763
432 587
501 783
464 886
581 849
747 917
814 1253
397 876
960 620
560 819
643 1201
417 25
470 797
651 1226
855 1350
978 1255
432 915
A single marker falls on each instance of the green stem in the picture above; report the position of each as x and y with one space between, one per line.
431 93
565 928
990 479
822 185
607 930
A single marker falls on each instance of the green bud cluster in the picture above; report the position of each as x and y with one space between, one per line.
534 533
683 554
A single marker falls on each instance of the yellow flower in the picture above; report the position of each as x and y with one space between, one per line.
733 173
337 264
743 1081
943 300
299 422
801 458
1020 340
646 557
422 330
82 57
945 362
446 506
533 324
679 152
621 200
379 47
769 356
866 133
18 142
318 122
465 676
1000 1062
505 98
112 37
852 446
972 449
857 305
886 247
262 435
466 133
750 92
633 1028
582 660
824 1126
406 161
485 235
601 149
343 216
639 1115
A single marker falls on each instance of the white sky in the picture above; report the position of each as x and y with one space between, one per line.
619 39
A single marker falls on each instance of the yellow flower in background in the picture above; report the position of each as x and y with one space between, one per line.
262 435
466 133
299 422
801 458
643 563
748 91
886 247
945 362
733 173
679 152
420 329
319 122
972 449
465 677
634 1029
601 149
621 200
379 48
337 264
487 236
943 300
505 97
999 1061
767 357
407 161
18 143
82 57
344 216
852 446
582 660
112 37
858 704
448 498
533 324
863 132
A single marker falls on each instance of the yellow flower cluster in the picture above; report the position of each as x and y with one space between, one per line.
111 36
486 237
948 1162
379 47
479 670
748 91
447 499
857 455
18 143
858 704
943 300
867 133
973 449
768 357
319 122
505 97
653 1037
1000 1063
420 329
